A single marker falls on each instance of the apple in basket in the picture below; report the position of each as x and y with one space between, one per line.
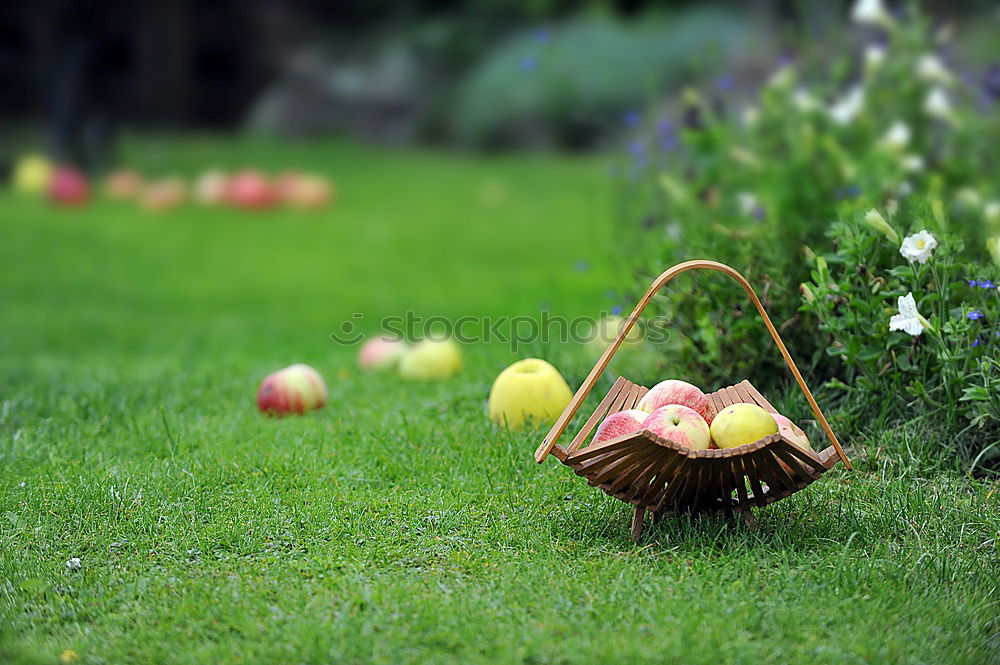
740 424
123 184
680 424
619 424
674 391
294 389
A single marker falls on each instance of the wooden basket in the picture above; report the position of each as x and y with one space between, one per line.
660 476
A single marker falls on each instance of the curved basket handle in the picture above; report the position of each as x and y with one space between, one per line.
581 394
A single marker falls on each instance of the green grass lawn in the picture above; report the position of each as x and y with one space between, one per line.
396 525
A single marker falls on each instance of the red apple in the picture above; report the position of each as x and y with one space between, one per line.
619 424
251 189
381 353
68 187
294 389
673 391
681 425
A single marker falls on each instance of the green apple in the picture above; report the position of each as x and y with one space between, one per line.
32 174
430 360
529 391
741 424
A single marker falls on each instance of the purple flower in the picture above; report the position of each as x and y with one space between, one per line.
617 309
542 35
976 343
973 282
986 284
974 315
631 119
529 63
637 148
724 83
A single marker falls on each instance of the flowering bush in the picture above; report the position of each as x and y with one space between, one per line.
756 182
914 325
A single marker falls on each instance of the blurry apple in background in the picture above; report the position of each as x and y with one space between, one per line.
164 194
309 191
68 187
430 360
674 391
212 187
251 189
680 424
294 389
606 330
32 174
529 391
619 424
122 184
381 353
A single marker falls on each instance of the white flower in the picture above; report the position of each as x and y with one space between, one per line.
918 247
870 12
908 320
904 189
991 211
804 101
874 57
891 206
747 203
73 564
750 115
913 162
936 104
848 107
931 69
897 137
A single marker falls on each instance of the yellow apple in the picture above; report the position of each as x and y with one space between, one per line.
741 424
530 390
32 174
430 360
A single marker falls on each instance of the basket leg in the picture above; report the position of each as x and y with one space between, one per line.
749 520
640 513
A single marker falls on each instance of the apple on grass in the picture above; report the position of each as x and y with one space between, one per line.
164 194
32 174
68 187
619 424
251 189
122 184
211 187
740 424
430 360
674 391
529 391
680 424
381 353
295 389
